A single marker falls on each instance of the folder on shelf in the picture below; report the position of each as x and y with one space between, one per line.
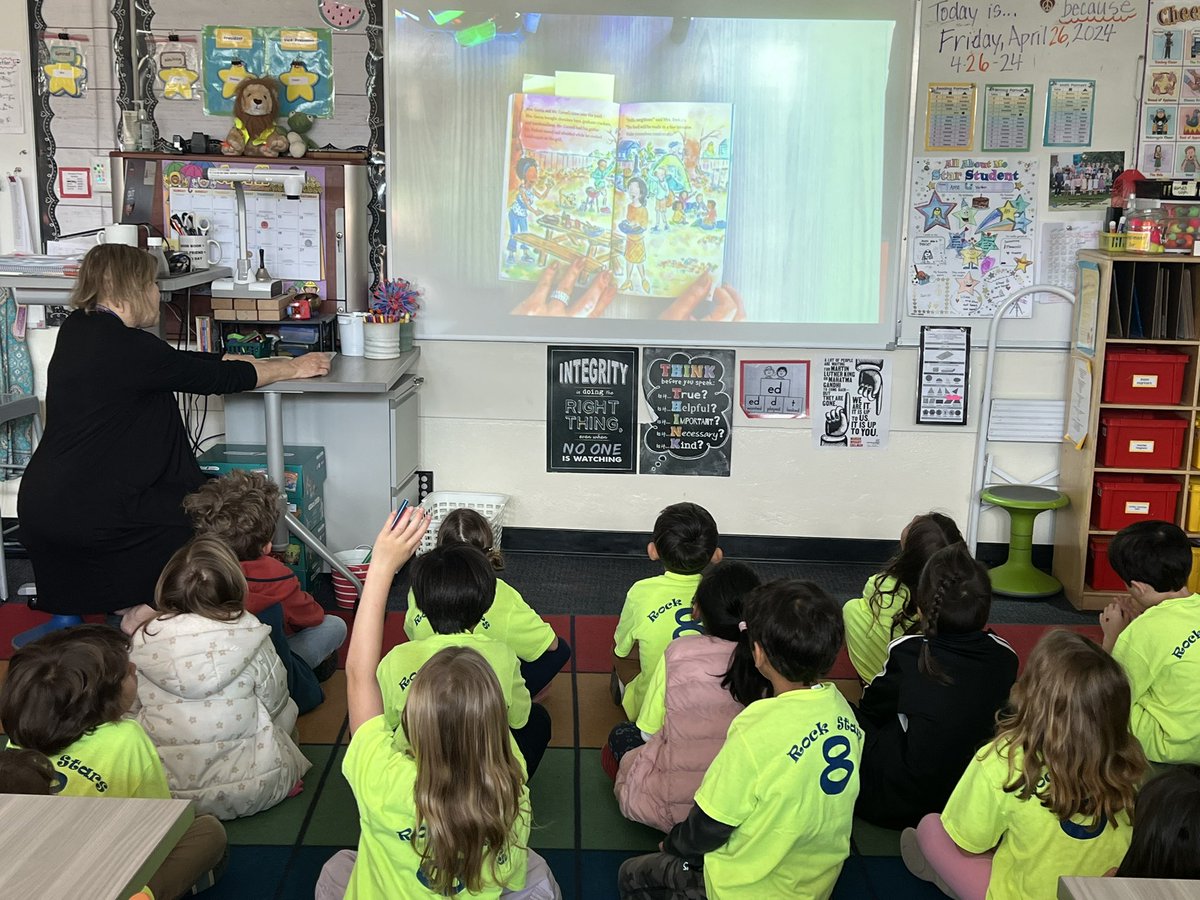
1121 301
1147 288
1185 323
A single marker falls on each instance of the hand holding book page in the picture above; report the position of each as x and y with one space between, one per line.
553 295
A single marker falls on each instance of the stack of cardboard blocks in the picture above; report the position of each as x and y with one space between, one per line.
304 482
251 309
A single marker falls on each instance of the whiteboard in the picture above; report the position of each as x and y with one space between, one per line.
1018 43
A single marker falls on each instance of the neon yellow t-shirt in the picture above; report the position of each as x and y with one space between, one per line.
116 759
657 610
383 779
1035 848
1160 651
786 779
509 620
868 633
396 671
654 701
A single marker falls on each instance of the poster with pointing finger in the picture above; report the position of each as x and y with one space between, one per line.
855 403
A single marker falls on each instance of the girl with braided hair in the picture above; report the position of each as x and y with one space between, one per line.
935 702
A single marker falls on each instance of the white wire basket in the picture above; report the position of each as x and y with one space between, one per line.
491 506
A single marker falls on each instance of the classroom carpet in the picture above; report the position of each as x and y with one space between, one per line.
278 854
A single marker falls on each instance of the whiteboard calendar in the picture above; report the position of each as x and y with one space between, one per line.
287 231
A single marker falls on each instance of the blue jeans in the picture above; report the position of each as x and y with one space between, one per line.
517 224
314 644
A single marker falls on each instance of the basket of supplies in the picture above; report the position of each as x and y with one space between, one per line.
438 503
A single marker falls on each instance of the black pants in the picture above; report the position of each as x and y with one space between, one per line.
660 876
534 737
541 671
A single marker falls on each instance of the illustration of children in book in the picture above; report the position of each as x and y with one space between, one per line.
600 176
660 195
528 193
633 226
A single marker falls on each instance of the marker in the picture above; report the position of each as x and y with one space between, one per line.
399 513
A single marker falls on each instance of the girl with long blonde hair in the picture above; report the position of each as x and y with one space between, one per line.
1052 795
450 812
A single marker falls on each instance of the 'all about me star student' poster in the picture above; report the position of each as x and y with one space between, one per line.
972 224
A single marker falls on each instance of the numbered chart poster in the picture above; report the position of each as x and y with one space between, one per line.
855 410
775 389
950 117
1007 114
690 395
1070 107
591 409
971 229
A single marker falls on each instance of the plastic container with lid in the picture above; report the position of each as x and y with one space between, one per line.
1144 375
1120 500
1144 229
1141 440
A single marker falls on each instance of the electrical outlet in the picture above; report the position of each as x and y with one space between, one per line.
100 179
424 483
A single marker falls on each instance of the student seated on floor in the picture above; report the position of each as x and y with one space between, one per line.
1051 795
63 705
211 690
657 610
1154 633
448 812
1166 830
509 619
772 817
695 693
888 606
935 702
241 509
454 585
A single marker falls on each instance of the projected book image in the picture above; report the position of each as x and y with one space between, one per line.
637 188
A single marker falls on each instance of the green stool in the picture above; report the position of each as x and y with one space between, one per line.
1018 577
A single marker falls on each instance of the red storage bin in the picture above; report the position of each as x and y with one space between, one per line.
1120 500
1139 440
1144 376
1100 575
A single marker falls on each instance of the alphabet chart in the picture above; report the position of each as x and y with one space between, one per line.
775 389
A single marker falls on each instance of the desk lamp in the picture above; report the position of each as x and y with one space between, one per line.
242 283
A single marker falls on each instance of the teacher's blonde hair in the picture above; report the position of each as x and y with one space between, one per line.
117 274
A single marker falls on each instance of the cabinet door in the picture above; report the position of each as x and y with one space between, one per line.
404 428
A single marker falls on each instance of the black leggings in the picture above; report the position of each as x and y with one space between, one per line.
533 738
541 671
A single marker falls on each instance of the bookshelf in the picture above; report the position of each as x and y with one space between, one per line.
1143 303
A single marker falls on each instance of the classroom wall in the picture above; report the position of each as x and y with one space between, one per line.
16 150
483 405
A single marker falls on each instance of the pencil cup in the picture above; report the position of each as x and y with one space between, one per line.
350 333
343 589
381 340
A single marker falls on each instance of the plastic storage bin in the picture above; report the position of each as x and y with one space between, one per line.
1120 500
1143 376
1194 579
1138 440
1193 508
1100 575
438 503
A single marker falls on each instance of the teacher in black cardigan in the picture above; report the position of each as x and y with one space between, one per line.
99 504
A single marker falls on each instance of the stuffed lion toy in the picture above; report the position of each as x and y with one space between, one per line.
254 132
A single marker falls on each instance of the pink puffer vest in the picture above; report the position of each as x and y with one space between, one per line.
657 783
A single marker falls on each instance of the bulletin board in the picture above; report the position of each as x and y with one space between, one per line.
1016 42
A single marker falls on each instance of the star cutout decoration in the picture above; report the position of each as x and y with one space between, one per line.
965 214
936 212
971 256
1022 263
1008 212
967 283
1020 203
1021 223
